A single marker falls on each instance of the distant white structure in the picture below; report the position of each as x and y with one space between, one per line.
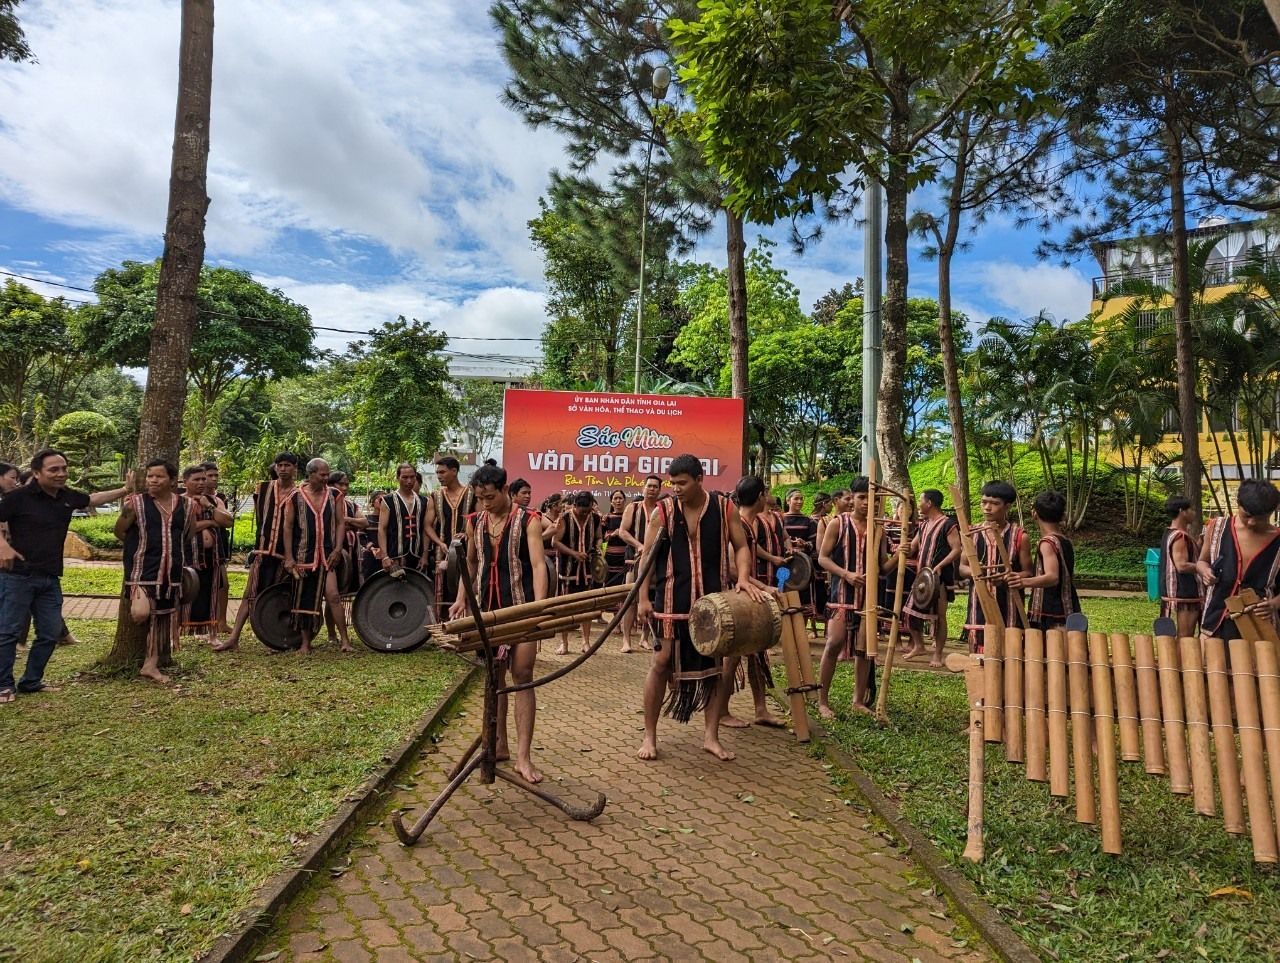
507 371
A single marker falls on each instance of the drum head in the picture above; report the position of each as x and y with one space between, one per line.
270 618
801 572
392 614
452 569
190 584
599 570
924 591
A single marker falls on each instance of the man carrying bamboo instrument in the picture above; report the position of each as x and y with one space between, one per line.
704 550
1181 596
316 524
266 569
997 498
1242 552
505 558
843 555
937 547
1053 586
635 520
447 511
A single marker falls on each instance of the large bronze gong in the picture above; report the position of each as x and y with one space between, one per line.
271 617
391 613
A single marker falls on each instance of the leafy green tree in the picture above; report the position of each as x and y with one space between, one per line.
480 413
791 93
1169 118
246 333
13 45
87 437
401 404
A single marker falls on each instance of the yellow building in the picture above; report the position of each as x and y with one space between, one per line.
1148 259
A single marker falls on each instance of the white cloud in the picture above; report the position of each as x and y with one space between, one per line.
1026 290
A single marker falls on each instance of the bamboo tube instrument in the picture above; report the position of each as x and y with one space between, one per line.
1105 739
1081 718
1244 685
975 688
1037 733
1013 692
1224 734
895 617
993 668
1175 719
1149 704
969 552
1059 746
1126 697
871 588
1267 664
799 666
1197 726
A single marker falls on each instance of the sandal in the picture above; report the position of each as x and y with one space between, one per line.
6 695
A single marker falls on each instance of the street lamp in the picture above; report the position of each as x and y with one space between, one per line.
659 83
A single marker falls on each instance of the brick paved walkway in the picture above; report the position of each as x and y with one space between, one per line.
693 859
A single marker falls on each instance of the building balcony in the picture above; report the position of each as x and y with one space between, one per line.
1218 272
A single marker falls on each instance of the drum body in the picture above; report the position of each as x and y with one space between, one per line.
271 618
391 614
801 566
190 585
726 624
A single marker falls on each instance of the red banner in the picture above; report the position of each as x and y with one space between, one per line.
595 441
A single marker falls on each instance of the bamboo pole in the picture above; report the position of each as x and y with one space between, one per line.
895 620
1193 695
1149 704
1268 666
993 668
1245 687
1175 720
1013 683
1037 733
792 654
1105 739
871 588
975 687
1224 734
1126 697
1081 726
1059 745
529 609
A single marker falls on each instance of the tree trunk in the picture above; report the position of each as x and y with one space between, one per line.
160 428
889 435
951 371
1184 342
739 340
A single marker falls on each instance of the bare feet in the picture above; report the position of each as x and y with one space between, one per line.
712 745
733 722
346 647
626 648
864 710
6 696
825 711
304 648
155 675
562 649
769 719
935 662
914 652
227 646
648 749
526 771
224 628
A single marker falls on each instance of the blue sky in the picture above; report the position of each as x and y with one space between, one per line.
361 162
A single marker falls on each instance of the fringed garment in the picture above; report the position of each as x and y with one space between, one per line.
1178 590
989 555
581 535
450 523
155 548
315 537
850 554
615 550
1050 606
505 573
1260 573
934 545
688 565
406 524
204 554
267 568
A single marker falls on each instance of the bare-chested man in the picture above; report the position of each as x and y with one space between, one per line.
702 549
635 523
402 523
316 524
504 556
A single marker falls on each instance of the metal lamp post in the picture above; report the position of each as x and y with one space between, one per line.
659 84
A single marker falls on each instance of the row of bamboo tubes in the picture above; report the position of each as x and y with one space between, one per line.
530 621
1178 706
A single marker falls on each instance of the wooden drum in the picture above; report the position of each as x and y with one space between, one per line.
727 624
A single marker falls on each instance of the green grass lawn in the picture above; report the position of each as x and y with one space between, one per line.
1129 614
99 531
1048 875
99 580
135 820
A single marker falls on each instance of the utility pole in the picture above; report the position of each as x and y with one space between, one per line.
873 260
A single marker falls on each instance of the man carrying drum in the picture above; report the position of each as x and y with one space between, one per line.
505 560
704 550
937 548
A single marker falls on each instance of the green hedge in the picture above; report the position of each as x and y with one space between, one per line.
98 531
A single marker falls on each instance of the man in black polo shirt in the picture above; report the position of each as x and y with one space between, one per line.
38 515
